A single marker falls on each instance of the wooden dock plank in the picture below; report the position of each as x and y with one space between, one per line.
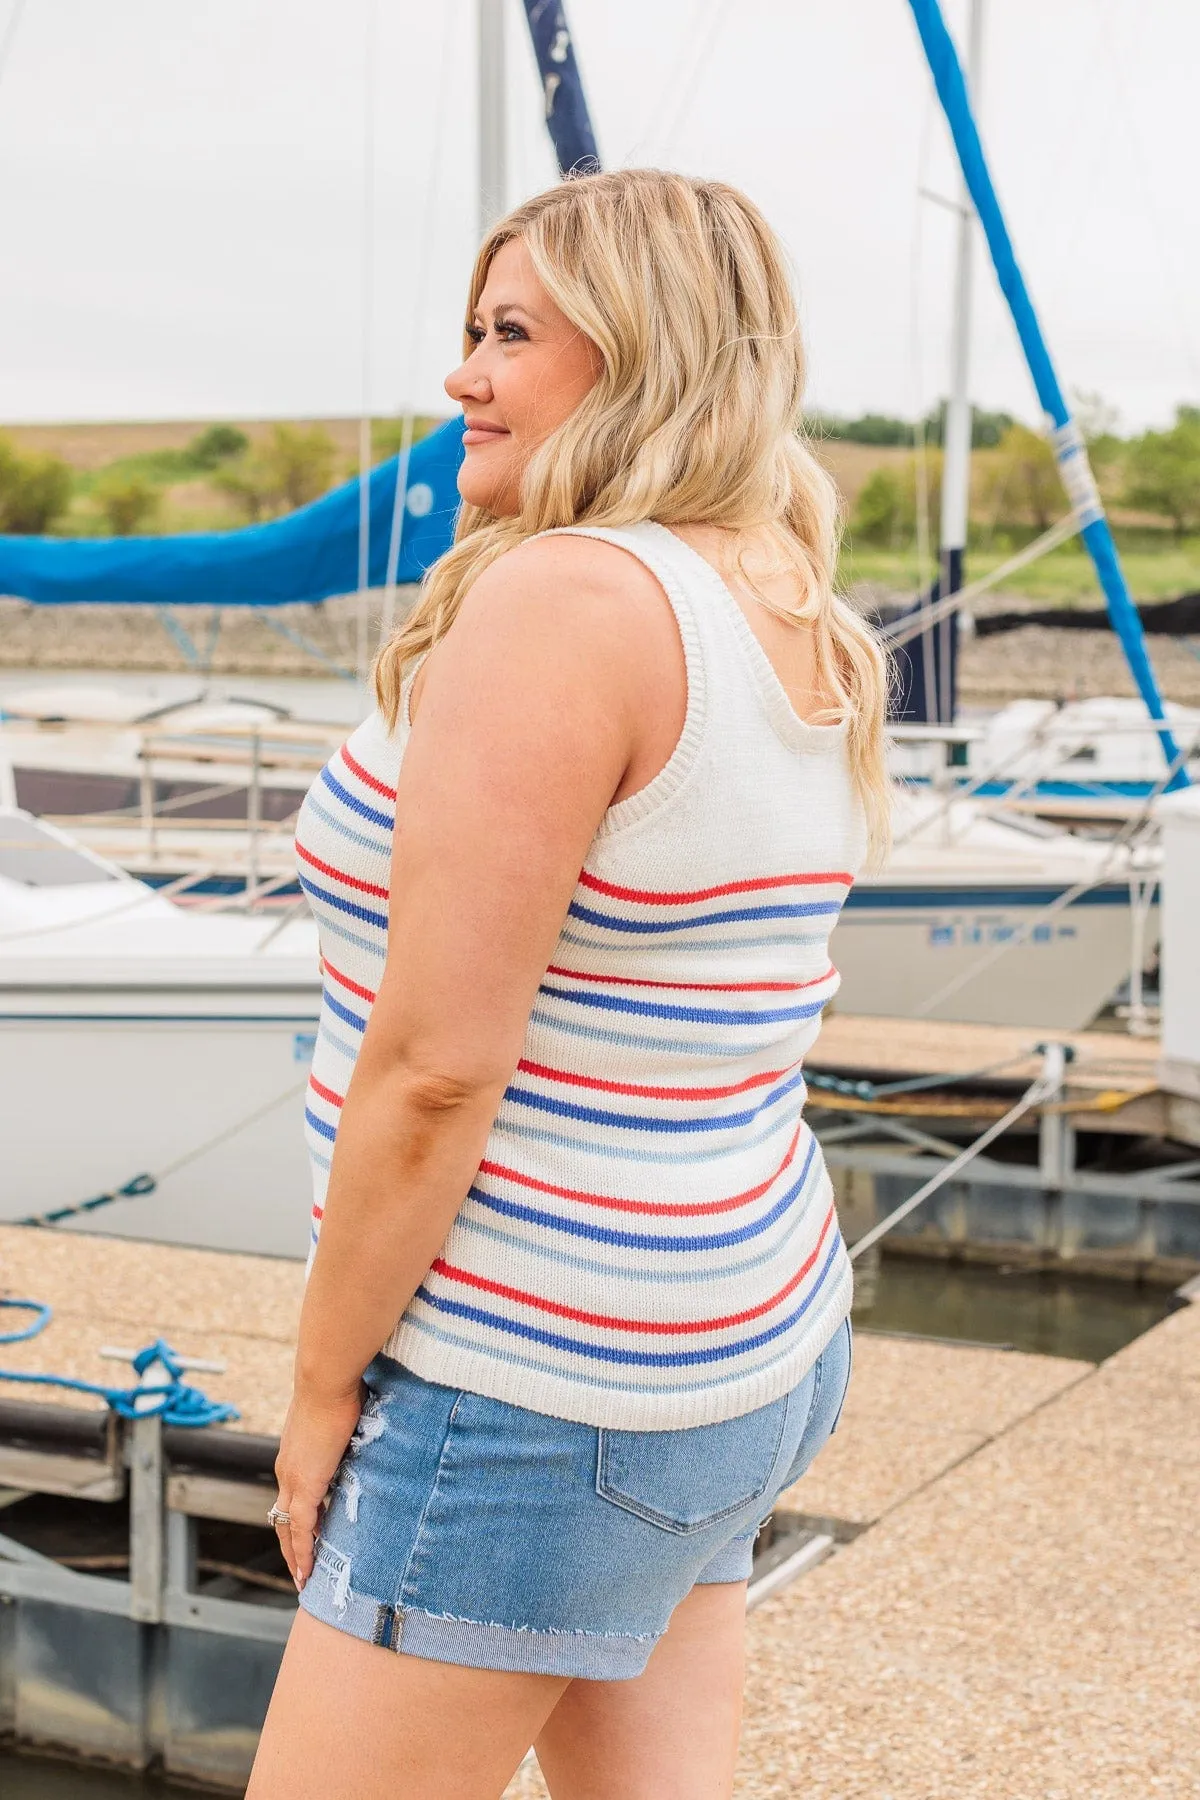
901 1047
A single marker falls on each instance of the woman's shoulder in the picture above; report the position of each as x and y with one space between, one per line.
562 581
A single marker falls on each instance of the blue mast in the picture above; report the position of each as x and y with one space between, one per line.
1066 438
567 117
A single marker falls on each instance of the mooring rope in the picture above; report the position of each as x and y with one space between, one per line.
1034 1094
173 1400
139 1185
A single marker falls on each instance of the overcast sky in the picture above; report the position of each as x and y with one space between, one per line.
183 219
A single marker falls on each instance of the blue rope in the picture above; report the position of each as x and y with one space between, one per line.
173 1401
138 1185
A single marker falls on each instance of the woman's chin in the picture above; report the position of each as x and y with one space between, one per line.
495 497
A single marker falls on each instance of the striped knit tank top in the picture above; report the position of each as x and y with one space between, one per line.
650 1241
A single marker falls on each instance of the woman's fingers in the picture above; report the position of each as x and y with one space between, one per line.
303 1531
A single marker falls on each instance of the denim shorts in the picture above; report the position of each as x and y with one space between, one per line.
470 1531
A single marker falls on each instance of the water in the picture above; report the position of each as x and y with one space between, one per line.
1049 1314
36 1778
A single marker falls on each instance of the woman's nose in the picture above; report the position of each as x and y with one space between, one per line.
467 383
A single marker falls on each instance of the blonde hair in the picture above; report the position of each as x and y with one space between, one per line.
695 418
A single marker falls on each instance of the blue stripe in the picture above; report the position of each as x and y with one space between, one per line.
807 909
383 851
596 1115
649 1359
710 1379
370 813
780 940
699 1015
644 1240
343 1012
634 1040
621 1271
347 906
689 1155
866 898
319 1125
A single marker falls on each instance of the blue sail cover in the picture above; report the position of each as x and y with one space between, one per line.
311 554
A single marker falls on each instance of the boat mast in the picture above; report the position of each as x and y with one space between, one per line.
956 461
1065 435
493 146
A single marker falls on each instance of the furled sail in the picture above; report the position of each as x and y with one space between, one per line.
310 554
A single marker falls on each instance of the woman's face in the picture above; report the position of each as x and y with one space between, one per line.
528 372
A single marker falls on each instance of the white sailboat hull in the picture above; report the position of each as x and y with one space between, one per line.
921 953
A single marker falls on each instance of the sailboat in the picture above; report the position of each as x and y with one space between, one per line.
392 523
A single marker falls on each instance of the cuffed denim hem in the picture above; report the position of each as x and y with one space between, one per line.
733 1563
472 1644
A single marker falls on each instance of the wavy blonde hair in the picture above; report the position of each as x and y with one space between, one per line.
695 418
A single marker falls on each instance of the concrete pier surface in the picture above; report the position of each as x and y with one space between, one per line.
1017 1620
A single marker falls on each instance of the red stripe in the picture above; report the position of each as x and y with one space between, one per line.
345 981
693 1210
364 887
647 898
653 1093
365 775
318 1213
663 1328
699 987
318 1087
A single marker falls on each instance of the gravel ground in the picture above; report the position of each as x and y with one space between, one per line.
1032 662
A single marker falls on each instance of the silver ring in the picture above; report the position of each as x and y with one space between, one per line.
277 1516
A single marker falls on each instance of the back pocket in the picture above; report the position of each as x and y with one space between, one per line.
686 1480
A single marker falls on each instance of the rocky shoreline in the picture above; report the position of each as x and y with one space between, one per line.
1033 661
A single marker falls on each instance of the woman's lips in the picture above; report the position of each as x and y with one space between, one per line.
483 434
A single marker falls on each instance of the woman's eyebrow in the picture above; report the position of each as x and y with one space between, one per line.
515 306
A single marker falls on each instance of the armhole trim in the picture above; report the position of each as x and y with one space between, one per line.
679 765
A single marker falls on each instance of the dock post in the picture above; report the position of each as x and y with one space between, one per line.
1056 1150
147 1519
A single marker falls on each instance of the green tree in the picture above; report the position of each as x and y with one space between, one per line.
216 445
1022 482
1163 471
876 515
288 469
126 501
890 500
34 490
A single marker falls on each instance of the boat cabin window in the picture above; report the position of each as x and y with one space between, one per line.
33 856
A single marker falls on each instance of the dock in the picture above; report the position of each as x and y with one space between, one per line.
1003 1612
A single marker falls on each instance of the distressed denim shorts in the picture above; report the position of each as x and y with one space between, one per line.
467 1530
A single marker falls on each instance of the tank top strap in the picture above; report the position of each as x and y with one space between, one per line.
646 542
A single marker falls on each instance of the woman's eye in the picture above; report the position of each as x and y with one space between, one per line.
475 333
510 334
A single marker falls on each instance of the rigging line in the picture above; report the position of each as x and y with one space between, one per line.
10 35
920 458
433 188
703 44
370 65
1038 1090
163 893
904 628
1065 899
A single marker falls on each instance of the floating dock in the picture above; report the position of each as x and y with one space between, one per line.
1098 1179
1002 1611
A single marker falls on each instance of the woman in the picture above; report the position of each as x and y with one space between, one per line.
579 874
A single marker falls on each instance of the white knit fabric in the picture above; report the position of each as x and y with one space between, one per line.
650 1240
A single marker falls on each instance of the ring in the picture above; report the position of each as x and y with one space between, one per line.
277 1516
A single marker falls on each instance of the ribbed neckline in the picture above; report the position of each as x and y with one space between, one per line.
790 728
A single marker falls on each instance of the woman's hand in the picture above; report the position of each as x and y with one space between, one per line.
315 1434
